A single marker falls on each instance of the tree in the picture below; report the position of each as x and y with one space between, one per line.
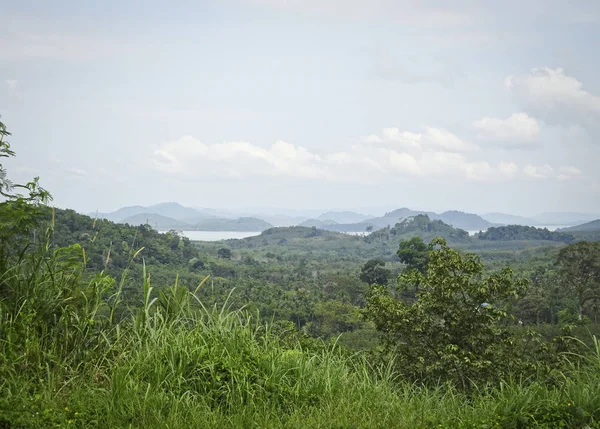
369 228
414 253
580 270
20 212
374 272
224 253
455 330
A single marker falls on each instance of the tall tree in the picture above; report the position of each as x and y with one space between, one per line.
414 253
580 270
455 330
374 272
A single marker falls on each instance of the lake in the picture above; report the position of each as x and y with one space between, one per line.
217 235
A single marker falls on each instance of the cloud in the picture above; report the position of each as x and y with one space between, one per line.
39 39
568 172
547 172
432 138
556 97
396 155
518 130
406 11
77 172
538 172
12 84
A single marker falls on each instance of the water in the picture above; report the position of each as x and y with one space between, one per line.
217 235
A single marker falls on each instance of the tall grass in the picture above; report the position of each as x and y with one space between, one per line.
71 355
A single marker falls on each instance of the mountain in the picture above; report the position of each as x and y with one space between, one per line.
156 221
588 226
395 216
508 219
426 228
343 217
179 212
323 224
282 220
457 219
564 218
170 210
246 224
119 215
463 220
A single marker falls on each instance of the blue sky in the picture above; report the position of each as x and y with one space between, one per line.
478 106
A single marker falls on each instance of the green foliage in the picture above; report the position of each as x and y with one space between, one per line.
224 253
521 232
580 270
455 331
374 272
414 253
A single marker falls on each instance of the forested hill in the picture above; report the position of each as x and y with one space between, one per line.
111 245
520 232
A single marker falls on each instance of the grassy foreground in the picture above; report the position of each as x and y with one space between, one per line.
71 355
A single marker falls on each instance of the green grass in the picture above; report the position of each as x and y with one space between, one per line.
71 355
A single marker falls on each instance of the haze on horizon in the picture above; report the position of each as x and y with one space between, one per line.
467 105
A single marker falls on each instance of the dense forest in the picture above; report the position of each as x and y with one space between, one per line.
413 325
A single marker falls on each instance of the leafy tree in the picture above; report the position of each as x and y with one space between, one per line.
455 331
19 212
224 253
414 253
374 272
580 270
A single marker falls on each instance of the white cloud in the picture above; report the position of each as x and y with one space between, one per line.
568 172
409 155
443 139
538 172
431 139
547 172
556 97
508 169
390 156
77 171
517 130
11 84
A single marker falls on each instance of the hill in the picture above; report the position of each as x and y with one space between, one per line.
248 224
588 226
120 214
457 219
318 223
170 210
564 218
521 232
343 217
508 219
156 221
463 220
427 229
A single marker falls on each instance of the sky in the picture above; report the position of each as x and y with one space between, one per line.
470 105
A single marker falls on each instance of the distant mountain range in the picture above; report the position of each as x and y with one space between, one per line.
457 219
175 216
